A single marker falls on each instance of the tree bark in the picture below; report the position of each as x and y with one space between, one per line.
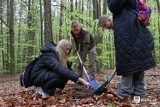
47 21
71 10
76 4
19 34
41 21
60 20
158 5
1 23
96 9
8 42
31 30
104 7
1 33
12 39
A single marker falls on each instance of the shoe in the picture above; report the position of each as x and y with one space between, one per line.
122 97
40 91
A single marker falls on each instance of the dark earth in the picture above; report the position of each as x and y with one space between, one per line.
13 95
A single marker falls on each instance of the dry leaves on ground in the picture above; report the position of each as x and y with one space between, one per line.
12 94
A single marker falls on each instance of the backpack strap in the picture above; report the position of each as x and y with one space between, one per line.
137 6
134 11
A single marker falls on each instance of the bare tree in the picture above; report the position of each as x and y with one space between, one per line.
76 4
47 21
41 21
31 31
1 11
104 6
158 5
12 39
60 20
96 9
1 32
8 43
71 8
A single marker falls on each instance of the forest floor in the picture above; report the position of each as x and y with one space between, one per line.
13 95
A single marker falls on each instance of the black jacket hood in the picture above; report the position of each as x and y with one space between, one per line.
49 47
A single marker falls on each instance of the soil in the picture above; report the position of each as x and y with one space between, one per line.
13 95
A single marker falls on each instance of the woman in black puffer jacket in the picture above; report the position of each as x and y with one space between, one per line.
133 47
51 70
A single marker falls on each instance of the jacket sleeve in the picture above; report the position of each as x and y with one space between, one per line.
116 5
76 43
53 64
86 43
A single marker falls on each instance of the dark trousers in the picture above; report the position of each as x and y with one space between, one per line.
92 63
132 84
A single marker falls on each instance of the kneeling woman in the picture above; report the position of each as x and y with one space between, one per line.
52 71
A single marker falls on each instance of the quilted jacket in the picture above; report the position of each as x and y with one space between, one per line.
133 41
48 73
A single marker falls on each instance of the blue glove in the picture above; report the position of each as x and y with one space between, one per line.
83 64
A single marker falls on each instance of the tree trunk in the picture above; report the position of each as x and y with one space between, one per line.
104 7
82 9
41 21
60 20
89 7
19 34
96 14
76 4
96 9
1 25
12 39
47 21
99 8
71 10
1 33
31 31
158 5
7 61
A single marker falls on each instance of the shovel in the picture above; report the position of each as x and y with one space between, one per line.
93 82
105 83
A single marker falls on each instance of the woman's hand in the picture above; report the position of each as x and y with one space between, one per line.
87 84
84 82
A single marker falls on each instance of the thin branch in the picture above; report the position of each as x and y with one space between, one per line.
62 5
5 23
25 2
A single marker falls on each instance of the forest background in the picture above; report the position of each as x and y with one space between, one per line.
26 25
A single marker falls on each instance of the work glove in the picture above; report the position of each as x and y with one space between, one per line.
83 64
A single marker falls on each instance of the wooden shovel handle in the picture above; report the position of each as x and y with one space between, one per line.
85 71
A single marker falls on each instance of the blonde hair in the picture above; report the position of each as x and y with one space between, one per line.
61 48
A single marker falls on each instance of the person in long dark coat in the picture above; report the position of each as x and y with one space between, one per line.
133 47
51 70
